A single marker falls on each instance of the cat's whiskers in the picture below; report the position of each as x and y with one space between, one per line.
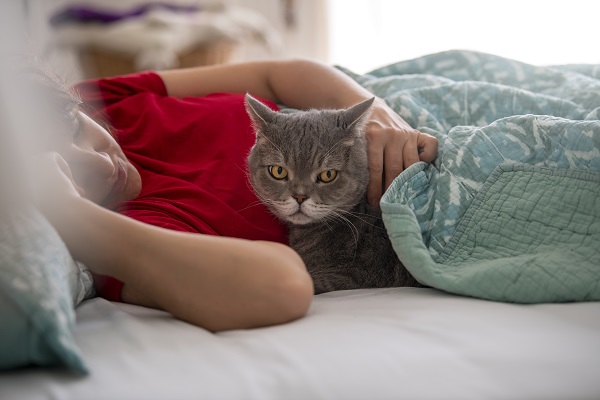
253 204
327 224
356 214
337 215
246 172
349 223
353 229
262 200
322 209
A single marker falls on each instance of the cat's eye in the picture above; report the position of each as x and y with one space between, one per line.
327 176
278 172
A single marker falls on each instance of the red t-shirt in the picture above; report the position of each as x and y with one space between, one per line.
191 155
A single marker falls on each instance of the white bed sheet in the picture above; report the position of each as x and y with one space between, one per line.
400 343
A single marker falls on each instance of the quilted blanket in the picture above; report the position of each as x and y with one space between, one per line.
510 209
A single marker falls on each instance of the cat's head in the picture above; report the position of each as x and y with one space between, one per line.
307 166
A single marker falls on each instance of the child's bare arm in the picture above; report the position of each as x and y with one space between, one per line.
215 282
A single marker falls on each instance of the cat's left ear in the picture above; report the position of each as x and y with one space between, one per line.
357 116
260 114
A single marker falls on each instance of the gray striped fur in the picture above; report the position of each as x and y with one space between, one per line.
340 238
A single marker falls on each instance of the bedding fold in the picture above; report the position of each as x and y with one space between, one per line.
510 209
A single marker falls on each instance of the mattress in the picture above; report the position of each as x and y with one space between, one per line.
397 343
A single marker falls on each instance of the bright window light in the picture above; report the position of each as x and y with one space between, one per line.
366 34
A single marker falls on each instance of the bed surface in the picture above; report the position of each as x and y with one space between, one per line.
364 344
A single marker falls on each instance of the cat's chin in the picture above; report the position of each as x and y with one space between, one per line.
299 218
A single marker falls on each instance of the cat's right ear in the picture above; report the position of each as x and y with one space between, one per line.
260 114
358 115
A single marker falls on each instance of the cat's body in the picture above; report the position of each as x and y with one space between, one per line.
310 169
350 253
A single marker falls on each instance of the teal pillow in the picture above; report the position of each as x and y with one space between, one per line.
40 285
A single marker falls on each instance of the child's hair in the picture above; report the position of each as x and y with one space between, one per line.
53 96
34 105
59 100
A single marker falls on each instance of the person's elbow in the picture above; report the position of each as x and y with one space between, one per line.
292 290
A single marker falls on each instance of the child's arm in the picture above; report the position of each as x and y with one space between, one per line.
393 144
215 282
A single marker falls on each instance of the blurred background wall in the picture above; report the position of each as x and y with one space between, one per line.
227 30
358 34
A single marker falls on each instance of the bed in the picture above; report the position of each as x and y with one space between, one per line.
504 228
400 343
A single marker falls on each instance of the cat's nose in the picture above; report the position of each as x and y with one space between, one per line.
299 198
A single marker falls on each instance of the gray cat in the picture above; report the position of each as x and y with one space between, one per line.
310 169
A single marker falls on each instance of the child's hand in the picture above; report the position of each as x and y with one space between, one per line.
393 146
55 188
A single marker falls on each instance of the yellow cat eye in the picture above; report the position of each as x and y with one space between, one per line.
278 172
327 176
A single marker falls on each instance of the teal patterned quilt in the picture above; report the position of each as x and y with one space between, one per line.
510 209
